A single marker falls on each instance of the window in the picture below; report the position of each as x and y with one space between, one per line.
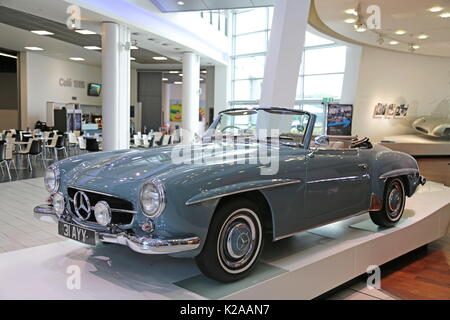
321 74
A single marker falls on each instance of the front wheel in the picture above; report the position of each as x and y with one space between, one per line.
393 204
234 242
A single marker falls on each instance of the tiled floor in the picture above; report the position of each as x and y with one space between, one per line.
18 228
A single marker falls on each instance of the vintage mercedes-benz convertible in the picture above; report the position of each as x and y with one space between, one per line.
218 200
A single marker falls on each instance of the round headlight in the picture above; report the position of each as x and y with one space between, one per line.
51 180
152 198
102 213
58 203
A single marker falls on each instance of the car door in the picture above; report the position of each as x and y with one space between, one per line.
337 184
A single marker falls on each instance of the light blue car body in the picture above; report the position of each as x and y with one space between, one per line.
312 187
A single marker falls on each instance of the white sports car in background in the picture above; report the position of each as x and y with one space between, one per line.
436 127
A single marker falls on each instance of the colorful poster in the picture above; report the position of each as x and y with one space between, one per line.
339 119
175 112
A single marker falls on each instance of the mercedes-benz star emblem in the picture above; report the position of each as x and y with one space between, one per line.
82 205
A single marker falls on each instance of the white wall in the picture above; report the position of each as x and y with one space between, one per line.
43 76
42 84
385 76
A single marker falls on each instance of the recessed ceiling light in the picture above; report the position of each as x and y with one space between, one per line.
445 15
133 48
174 71
400 32
423 36
180 3
351 11
92 48
416 46
393 43
165 79
7 55
34 48
84 31
132 58
351 20
159 58
436 9
180 74
76 59
42 32
178 82
201 79
204 71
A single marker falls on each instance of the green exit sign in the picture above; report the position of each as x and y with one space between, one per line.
327 99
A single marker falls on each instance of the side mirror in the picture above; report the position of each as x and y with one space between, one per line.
322 141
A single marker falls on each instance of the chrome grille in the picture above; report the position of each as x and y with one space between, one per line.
122 211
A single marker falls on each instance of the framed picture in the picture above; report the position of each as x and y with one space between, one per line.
390 111
401 111
379 110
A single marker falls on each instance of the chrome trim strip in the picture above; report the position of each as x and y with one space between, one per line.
189 202
150 244
45 213
349 178
97 192
145 244
123 211
398 172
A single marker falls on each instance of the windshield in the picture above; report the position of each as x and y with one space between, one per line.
284 125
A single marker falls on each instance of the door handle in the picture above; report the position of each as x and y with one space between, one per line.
363 166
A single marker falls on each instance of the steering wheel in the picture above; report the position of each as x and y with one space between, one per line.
230 127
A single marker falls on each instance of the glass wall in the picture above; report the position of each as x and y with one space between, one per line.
321 74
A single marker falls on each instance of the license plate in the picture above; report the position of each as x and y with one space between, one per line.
77 233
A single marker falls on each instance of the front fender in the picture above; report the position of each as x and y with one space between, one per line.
237 188
389 164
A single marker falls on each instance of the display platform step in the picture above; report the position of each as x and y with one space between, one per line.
418 145
301 267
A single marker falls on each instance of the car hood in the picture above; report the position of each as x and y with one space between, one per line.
142 164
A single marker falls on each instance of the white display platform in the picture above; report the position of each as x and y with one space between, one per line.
301 267
418 145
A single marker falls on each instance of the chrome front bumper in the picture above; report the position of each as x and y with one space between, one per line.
145 244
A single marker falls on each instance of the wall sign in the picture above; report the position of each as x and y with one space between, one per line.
68 82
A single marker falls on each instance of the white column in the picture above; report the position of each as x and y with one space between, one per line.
116 86
284 55
351 75
166 88
191 96
221 89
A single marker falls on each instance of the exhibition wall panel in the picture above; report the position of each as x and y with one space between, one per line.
50 79
388 77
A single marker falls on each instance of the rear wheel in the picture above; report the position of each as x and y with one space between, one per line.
234 242
393 204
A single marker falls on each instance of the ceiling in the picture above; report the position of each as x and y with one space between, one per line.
200 5
55 10
409 15
27 22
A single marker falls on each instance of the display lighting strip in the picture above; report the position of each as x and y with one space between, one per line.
360 26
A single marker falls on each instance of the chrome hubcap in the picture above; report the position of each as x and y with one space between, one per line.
239 241
395 199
